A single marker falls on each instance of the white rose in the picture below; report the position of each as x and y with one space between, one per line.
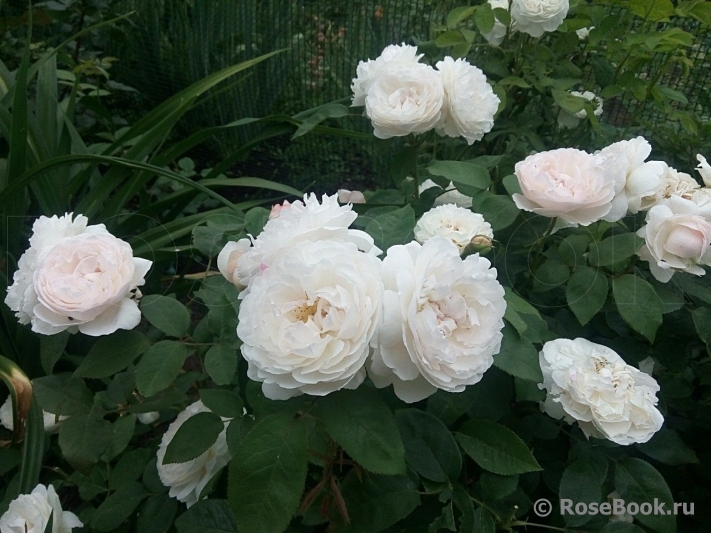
676 238
496 35
405 99
228 260
29 513
187 480
584 33
367 71
303 221
570 184
704 169
76 277
566 120
278 208
442 320
350 197
644 181
451 196
459 225
591 384
535 17
700 197
469 101
307 321
673 183
50 420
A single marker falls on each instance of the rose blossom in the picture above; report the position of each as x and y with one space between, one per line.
76 277
673 183
570 184
584 33
643 180
187 480
496 36
704 169
567 120
30 513
350 197
367 71
591 384
459 225
277 209
306 220
469 101
51 421
306 322
405 99
442 322
535 17
450 196
676 238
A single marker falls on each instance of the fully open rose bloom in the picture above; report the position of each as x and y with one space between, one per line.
570 184
676 238
187 480
51 421
306 322
76 277
591 384
535 17
367 71
469 101
442 320
459 225
29 513
307 220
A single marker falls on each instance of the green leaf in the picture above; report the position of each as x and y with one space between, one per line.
638 481
157 514
484 18
112 354
121 432
159 366
496 448
166 314
363 425
653 10
463 502
83 438
118 507
222 402
194 437
62 394
550 275
130 467
51 349
614 249
495 486
568 102
221 364
459 14
430 448
586 293
267 474
392 228
444 521
207 516
483 522
498 210
638 304
376 502
518 357
581 482
667 447
450 38
331 110
460 172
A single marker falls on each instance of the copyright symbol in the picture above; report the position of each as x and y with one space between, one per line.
542 507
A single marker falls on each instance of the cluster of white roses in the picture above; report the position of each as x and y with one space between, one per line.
592 385
76 277
403 96
534 17
318 301
582 188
